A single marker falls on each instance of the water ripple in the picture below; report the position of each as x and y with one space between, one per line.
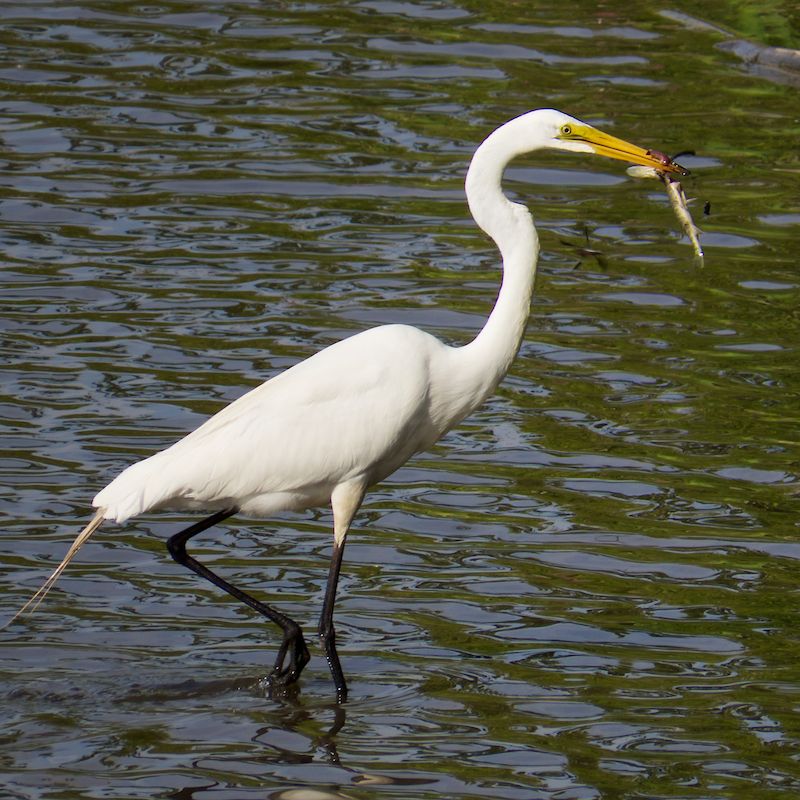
586 590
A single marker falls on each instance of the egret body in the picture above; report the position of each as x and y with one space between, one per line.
328 428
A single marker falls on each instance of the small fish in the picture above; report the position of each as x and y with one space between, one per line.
662 157
668 161
677 198
680 206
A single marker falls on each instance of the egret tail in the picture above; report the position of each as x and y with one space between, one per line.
37 598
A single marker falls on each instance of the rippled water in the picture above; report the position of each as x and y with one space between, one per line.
587 590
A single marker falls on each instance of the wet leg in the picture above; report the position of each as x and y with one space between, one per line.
293 643
327 632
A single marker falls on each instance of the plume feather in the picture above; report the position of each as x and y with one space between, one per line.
37 598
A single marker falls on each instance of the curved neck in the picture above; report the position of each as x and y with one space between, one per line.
510 225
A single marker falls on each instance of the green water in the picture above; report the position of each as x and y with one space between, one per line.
589 588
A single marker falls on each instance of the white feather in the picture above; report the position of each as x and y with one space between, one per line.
344 419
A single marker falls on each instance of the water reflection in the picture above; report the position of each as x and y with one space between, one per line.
587 589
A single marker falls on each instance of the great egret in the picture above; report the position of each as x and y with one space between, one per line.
333 425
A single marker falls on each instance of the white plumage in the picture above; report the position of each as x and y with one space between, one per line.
265 453
342 420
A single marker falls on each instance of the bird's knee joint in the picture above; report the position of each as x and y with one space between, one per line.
293 634
177 549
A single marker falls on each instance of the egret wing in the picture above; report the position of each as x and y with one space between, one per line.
356 408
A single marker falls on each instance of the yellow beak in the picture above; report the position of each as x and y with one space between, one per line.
606 145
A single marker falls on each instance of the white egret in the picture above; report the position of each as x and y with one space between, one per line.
327 429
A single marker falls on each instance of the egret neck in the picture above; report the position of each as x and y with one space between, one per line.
488 357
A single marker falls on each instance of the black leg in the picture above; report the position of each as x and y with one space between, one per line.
327 632
293 642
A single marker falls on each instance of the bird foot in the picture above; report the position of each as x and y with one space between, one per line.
297 651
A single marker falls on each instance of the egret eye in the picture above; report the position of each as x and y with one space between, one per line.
566 130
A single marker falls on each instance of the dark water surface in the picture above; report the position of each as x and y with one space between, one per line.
587 590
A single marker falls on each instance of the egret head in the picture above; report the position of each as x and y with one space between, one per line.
568 133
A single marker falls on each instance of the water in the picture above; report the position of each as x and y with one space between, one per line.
587 590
